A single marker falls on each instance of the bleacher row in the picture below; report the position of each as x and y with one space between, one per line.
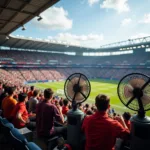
11 138
19 76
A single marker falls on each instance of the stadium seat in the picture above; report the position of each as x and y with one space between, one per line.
32 146
5 126
17 140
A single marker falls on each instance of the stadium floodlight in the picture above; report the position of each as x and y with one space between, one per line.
23 28
39 18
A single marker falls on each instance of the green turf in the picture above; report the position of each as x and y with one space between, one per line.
97 86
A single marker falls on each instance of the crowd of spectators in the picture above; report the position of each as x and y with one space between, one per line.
36 110
27 57
19 76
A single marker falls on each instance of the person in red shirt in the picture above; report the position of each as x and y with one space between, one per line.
30 94
65 107
20 116
100 130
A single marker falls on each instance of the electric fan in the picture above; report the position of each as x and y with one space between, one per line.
77 89
134 92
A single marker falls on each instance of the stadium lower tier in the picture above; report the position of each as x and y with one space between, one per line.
20 76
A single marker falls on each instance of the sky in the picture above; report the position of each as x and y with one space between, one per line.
91 23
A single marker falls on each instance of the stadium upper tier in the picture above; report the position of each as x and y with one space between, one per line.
22 57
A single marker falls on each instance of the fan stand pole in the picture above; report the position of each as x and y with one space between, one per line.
141 112
74 105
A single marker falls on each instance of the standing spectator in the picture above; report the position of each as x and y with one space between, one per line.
100 130
126 117
9 103
33 101
30 94
45 114
65 107
20 116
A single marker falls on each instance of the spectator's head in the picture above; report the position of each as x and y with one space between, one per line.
89 112
102 102
11 91
114 114
36 93
94 109
48 94
32 88
61 103
65 102
23 97
126 116
87 106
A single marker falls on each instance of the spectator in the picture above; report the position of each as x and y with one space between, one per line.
126 117
80 106
45 113
94 109
33 101
65 107
89 112
100 130
9 103
1 88
20 116
3 94
30 94
87 106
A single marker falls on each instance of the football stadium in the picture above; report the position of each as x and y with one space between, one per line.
70 92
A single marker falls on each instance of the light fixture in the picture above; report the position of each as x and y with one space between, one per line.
23 28
7 37
39 18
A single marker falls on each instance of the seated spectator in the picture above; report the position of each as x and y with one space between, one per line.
94 109
86 108
89 112
100 130
45 114
30 94
65 107
126 117
3 95
20 116
9 103
33 101
1 88
80 106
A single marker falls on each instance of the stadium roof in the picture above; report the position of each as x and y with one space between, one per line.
49 45
15 13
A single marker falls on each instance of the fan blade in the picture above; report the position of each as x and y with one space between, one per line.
83 95
143 87
128 89
79 79
145 99
70 81
129 101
